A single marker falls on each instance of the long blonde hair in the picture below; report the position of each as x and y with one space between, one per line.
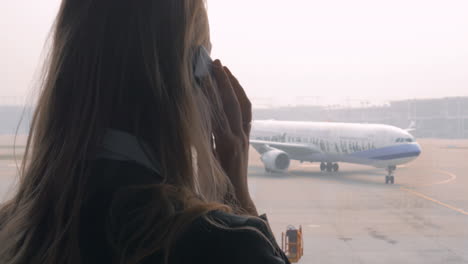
125 65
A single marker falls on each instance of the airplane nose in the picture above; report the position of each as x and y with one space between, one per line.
417 149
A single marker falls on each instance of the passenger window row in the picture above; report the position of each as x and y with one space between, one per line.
398 140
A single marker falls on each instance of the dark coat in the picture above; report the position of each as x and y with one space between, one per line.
202 242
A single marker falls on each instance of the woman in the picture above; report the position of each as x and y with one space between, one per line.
130 158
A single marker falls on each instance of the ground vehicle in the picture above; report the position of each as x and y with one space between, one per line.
292 243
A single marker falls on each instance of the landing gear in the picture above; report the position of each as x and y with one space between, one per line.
336 167
267 170
329 167
390 179
323 166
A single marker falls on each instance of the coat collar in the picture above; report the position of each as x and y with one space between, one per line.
120 145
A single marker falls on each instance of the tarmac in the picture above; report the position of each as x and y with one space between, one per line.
352 216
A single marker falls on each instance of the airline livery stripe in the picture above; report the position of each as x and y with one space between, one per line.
392 152
397 156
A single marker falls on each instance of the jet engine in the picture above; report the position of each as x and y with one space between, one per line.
276 161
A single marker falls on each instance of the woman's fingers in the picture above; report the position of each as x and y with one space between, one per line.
244 102
229 100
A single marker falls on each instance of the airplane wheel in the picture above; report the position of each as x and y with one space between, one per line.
323 167
267 170
389 179
336 167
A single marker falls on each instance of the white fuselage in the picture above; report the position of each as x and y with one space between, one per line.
370 144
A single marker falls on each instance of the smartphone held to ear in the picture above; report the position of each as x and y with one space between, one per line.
202 63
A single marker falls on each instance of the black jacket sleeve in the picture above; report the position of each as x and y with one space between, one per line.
237 240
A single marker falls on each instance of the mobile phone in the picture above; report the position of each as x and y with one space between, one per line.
202 63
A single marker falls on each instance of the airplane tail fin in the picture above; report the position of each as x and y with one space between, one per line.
411 127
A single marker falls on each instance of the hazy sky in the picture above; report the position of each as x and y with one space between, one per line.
296 49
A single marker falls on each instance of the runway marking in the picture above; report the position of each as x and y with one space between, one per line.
451 175
435 201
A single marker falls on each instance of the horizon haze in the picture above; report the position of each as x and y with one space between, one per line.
335 50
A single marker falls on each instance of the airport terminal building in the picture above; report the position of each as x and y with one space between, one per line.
433 118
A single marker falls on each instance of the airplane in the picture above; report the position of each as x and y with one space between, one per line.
377 145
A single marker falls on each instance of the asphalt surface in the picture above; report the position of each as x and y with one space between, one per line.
352 216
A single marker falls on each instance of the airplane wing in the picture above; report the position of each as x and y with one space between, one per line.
290 148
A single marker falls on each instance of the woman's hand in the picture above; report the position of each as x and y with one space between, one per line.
232 131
